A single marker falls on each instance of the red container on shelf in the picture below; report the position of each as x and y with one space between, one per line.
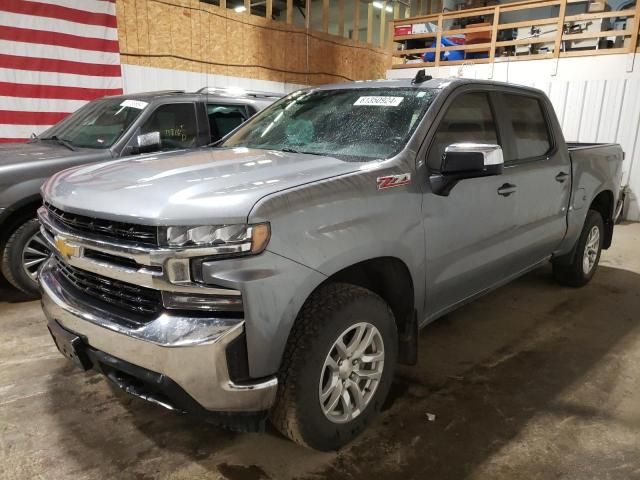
402 30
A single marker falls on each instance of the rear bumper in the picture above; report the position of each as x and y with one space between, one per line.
197 366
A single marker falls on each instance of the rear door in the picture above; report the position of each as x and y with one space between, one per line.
540 172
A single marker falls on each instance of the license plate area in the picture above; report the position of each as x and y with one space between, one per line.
70 345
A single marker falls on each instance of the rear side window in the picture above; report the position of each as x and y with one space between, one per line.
224 118
176 123
468 119
531 135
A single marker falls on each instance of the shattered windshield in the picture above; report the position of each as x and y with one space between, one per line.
354 124
96 125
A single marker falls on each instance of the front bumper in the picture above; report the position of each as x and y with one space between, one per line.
198 367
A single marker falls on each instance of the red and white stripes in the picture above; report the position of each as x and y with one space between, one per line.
55 55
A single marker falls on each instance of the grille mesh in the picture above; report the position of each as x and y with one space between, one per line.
144 234
145 302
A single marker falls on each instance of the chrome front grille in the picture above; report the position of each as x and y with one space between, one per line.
146 303
142 234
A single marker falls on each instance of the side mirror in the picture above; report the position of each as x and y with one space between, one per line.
148 142
466 160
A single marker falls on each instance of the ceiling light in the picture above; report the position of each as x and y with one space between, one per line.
389 8
377 5
240 9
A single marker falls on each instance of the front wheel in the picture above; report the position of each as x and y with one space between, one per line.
337 367
583 265
23 255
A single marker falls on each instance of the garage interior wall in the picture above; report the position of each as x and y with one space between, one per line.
597 99
193 36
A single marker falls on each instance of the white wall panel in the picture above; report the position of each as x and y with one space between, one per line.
137 78
597 99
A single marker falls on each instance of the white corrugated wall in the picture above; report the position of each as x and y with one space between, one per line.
597 99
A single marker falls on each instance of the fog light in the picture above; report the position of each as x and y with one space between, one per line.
205 303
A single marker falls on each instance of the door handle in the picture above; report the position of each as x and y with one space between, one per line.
561 177
507 189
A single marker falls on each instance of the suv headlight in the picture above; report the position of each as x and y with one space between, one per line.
227 239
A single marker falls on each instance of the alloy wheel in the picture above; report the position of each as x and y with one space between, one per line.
591 250
351 372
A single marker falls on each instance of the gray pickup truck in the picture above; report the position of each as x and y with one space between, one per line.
285 274
104 129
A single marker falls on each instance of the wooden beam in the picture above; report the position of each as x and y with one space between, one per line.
608 33
633 42
223 3
383 23
413 51
269 9
307 16
370 23
247 7
494 32
590 16
412 65
341 18
325 15
594 53
390 26
559 29
289 12
438 41
355 34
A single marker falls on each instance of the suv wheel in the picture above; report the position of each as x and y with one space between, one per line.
23 255
337 367
587 255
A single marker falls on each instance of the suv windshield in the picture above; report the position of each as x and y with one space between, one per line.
355 124
96 125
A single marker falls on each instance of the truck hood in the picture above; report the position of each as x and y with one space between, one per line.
13 153
206 186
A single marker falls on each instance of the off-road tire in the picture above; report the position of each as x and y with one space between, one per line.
12 268
572 273
330 310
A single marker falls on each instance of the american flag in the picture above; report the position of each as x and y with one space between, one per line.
55 56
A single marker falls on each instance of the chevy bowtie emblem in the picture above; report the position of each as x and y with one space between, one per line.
64 248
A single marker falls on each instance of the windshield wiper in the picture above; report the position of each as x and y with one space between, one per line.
292 150
61 141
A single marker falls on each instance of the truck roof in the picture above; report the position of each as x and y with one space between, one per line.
433 83
206 91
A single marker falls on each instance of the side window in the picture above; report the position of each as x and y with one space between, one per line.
468 119
224 118
531 135
176 123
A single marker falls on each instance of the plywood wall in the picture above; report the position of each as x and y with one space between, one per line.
194 36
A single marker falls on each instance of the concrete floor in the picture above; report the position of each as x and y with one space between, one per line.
533 381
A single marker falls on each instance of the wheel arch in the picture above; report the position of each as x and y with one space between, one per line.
604 204
390 278
17 213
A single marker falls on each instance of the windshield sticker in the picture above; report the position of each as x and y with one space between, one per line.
379 101
137 104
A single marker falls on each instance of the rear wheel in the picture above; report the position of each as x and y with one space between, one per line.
23 255
337 368
580 270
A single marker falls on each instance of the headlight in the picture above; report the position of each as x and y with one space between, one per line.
228 239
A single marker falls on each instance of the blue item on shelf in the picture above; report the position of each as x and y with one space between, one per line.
448 55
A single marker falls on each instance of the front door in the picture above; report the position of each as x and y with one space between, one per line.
470 244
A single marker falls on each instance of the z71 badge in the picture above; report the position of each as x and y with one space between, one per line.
391 181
